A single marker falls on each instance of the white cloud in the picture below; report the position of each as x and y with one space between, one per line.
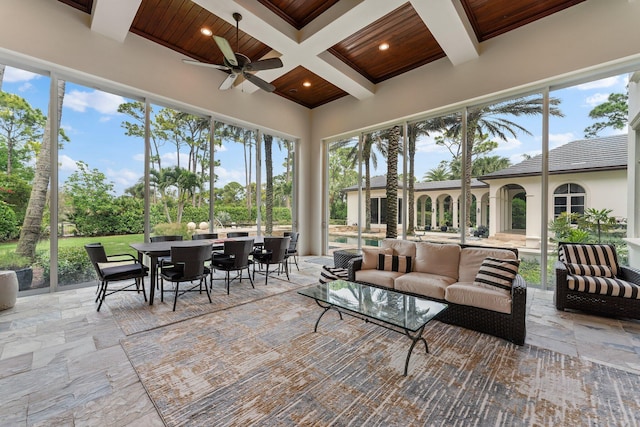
601 84
25 87
138 157
220 148
509 145
596 98
558 139
123 177
67 164
170 159
15 75
226 176
102 102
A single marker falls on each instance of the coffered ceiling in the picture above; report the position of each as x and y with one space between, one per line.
334 46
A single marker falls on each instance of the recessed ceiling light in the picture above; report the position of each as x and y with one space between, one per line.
383 46
207 32
306 84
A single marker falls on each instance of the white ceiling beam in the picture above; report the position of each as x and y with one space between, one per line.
113 18
450 26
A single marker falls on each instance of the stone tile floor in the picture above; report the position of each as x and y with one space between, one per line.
61 362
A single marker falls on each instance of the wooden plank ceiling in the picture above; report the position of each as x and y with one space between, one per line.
176 24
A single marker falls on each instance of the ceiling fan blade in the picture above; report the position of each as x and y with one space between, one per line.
228 82
259 82
264 64
204 64
226 50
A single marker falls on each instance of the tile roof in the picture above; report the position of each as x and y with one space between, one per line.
583 155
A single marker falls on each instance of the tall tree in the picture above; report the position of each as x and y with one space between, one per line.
30 232
611 114
268 163
393 148
491 121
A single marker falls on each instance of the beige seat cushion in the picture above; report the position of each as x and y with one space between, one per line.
400 247
377 277
471 260
438 259
427 284
476 296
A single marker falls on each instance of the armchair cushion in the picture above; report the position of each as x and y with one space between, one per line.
603 286
591 254
590 270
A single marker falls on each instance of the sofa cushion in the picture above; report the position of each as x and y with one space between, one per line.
427 284
377 277
471 259
400 247
603 286
590 270
497 274
476 296
370 257
397 263
600 254
440 259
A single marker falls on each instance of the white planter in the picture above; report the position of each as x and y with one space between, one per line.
8 289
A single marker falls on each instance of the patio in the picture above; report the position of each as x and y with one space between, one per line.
63 363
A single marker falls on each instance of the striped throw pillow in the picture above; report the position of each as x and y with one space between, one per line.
590 270
497 274
399 263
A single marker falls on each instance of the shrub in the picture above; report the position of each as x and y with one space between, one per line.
74 265
8 222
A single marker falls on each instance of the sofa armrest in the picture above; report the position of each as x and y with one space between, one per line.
355 264
561 285
629 274
519 308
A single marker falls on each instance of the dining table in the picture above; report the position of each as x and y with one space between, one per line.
155 250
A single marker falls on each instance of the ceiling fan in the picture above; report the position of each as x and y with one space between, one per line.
238 64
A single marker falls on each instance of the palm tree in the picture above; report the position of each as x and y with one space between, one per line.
488 164
268 162
393 148
491 120
30 232
440 173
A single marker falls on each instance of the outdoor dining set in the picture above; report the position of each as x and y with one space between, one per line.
191 263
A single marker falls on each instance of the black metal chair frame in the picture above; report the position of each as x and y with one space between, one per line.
186 265
201 236
292 250
238 234
124 267
273 252
234 258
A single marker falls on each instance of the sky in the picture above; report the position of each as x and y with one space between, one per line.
91 121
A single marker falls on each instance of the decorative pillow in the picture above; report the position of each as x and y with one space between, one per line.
399 263
590 270
497 274
370 257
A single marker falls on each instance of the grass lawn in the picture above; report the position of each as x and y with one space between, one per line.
112 244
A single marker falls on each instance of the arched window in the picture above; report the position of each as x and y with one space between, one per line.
568 198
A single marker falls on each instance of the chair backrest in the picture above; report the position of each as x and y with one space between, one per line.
240 249
293 244
165 238
278 247
192 259
97 255
589 254
238 234
204 236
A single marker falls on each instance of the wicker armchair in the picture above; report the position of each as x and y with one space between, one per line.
605 303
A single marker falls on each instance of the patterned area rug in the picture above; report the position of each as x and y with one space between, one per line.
134 315
262 364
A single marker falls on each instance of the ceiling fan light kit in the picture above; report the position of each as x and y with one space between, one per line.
237 64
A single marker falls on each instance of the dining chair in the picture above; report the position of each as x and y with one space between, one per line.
292 250
272 253
164 238
186 265
115 268
202 236
235 258
238 234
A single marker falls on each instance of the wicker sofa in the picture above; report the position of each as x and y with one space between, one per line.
589 278
449 273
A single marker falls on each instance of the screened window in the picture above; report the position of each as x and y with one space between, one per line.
568 198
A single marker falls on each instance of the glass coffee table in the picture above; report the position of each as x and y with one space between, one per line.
384 307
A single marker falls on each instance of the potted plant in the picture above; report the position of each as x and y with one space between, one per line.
443 226
21 265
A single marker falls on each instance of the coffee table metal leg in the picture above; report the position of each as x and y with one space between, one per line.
415 338
326 308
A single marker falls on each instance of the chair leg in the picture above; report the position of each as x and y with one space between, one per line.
295 259
250 279
206 290
266 275
286 269
175 299
228 281
104 294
